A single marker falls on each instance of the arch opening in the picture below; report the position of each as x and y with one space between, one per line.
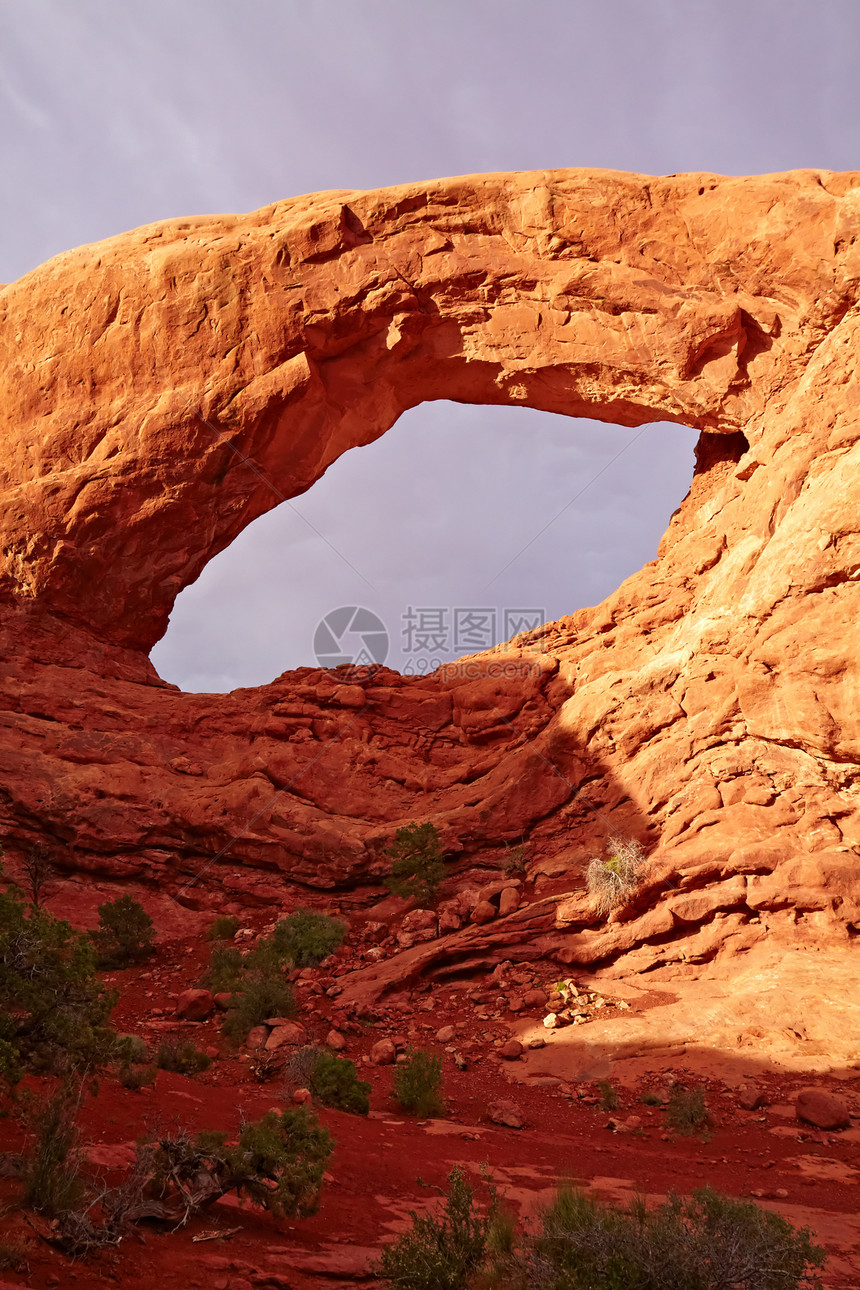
461 526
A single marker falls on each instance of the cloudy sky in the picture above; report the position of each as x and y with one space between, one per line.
114 113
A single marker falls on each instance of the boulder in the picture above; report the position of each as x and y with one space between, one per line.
383 1053
194 1005
511 1050
289 1033
822 1108
483 912
506 1113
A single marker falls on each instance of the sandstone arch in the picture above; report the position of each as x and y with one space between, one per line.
714 693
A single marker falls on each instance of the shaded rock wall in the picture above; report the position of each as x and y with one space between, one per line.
709 706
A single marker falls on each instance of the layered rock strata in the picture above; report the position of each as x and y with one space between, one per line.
164 388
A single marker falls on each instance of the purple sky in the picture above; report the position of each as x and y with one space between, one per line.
115 114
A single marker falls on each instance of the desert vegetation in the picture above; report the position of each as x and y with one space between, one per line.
709 1242
418 862
614 876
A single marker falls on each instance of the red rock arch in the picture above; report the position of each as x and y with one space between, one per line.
141 371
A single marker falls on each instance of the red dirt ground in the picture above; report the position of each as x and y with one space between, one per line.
387 1164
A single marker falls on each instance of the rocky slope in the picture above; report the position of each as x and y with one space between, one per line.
164 388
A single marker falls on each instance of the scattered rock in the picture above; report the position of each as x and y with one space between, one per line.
551 1021
483 912
535 998
302 1096
223 999
751 1098
194 1005
335 1041
383 1053
511 1050
537 1042
446 1035
289 1033
506 1113
822 1108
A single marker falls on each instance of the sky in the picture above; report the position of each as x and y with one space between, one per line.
115 113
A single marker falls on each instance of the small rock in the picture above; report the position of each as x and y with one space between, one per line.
223 999
445 1035
302 1096
506 1113
335 1041
483 912
449 921
383 1053
509 902
257 1037
515 1004
551 1021
511 1050
751 1098
289 1032
823 1109
537 1042
534 998
194 1005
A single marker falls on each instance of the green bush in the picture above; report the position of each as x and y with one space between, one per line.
418 1083
257 998
136 1077
709 1242
614 877
124 934
224 928
306 938
609 1099
334 1080
225 969
278 1162
443 1250
53 1008
419 865
686 1112
52 1179
182 1058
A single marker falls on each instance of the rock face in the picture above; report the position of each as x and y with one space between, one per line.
709 708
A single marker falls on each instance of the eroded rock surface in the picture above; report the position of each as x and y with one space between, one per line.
708 708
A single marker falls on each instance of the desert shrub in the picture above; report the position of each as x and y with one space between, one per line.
124 934
514 859
418 1083
15 1254
419 865
130 1048
53 1008
136 1077
686 1112
182 1058
443 1250
615 876
224 972
609 1099
334 1080
38 870
709 1242
306 938
52 1179
257 998
650 1097
300 1066
224 928
278 1163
